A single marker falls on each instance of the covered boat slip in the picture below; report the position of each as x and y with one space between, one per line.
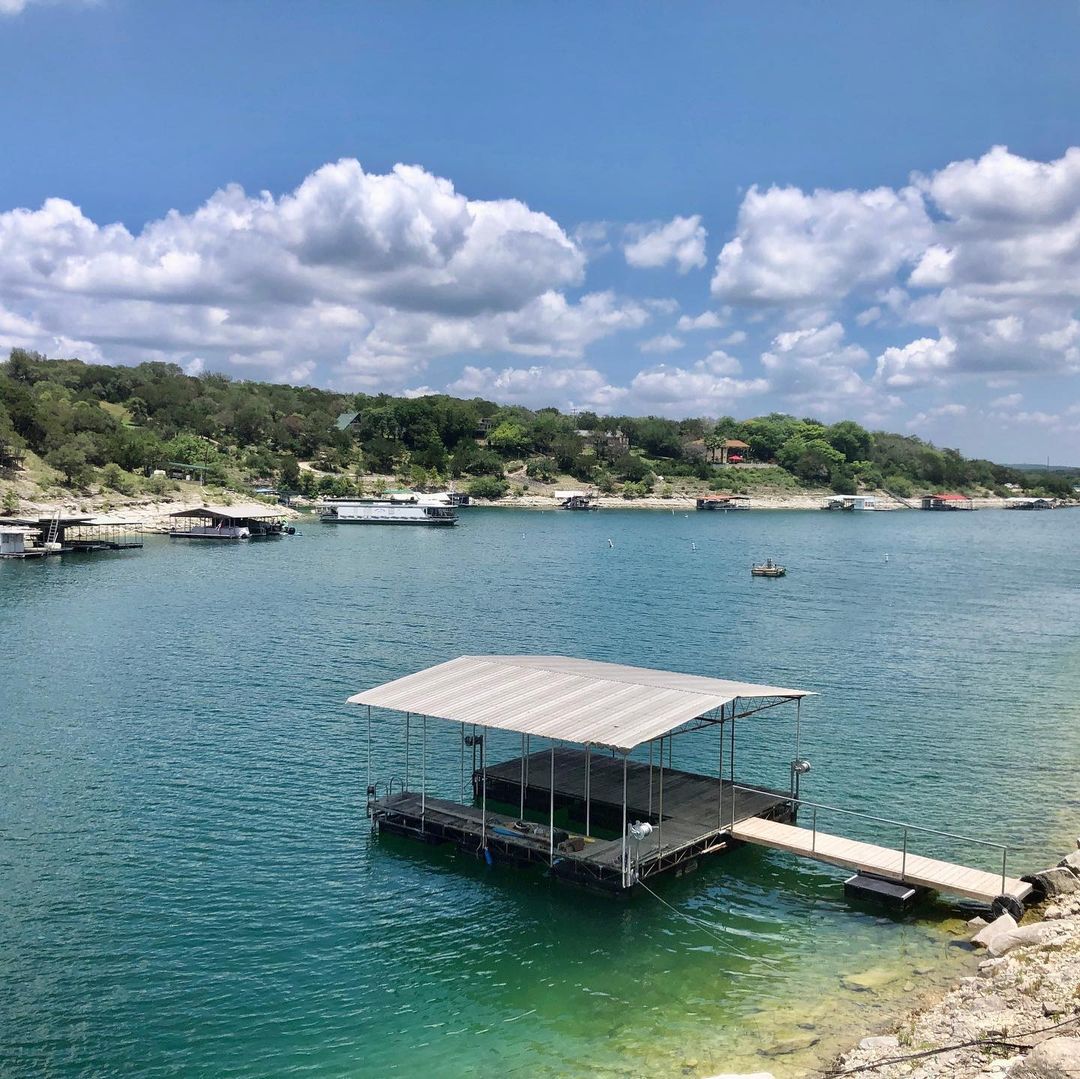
625 818
246 520
60 534
604 765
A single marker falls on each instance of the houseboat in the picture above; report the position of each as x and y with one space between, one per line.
252 520
850 503
721 502
386 511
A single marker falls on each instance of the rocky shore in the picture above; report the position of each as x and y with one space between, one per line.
1016 1017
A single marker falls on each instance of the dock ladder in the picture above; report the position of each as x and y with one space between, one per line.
54 530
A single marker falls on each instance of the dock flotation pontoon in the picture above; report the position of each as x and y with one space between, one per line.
621 819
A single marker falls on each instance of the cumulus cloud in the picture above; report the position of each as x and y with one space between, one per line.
17 7
984 253
539 386
792 247
707 320
681 241
368 275
951 411
666 342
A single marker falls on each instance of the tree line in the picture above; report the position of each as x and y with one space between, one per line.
121 425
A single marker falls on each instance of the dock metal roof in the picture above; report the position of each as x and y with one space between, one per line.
572 700
242 511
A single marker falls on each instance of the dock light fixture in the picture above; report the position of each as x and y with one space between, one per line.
800 766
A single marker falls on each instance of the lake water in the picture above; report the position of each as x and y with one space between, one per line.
188 885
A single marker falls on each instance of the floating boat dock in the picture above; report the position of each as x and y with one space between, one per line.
60 534
621 820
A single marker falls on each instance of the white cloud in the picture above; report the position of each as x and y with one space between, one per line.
871 314
951 411
736 338
791 247
698 390
681 240
17 7
539 386
1009 400
919 363
368 275
666 342
707 320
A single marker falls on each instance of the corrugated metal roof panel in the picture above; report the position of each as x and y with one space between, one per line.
573 700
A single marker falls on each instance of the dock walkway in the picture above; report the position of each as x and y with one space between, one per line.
880 861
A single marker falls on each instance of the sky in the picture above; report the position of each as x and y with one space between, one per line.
848 210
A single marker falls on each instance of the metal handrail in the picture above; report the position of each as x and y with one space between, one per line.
815 806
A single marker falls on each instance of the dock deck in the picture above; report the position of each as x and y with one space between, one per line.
690 815
880 861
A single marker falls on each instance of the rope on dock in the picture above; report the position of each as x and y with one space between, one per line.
985 1043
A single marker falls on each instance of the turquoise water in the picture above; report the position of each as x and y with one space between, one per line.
187 881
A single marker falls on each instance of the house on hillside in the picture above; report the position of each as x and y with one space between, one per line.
347 421
733 451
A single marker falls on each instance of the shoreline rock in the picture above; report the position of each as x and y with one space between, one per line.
1022 1009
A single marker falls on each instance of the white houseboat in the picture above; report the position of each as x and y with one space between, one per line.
246 521
385 511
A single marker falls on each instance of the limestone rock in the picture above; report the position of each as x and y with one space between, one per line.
977 923
1071 861
871 980
1006 923
1057 1058
886 1041
1039 934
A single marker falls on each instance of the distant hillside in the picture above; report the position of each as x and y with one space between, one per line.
122 427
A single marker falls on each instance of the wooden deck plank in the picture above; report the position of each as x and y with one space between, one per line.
885 861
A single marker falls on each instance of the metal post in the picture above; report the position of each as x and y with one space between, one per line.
813 838
368 747
588 788
406 750
462 763
522 810
660 816
720 775
1004 855
624 873
423 776
551 810
903 859
650 777
483 796
732 765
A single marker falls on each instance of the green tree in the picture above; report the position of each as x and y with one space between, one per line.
487 487
70 460
509 438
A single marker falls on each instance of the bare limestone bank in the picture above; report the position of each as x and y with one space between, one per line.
1018 1017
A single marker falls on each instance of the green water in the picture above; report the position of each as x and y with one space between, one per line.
187 881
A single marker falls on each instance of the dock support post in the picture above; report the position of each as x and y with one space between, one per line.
423 776
463 764
903 859
660 815
522 810
624 867
551 809
650 776
483 792
588 787
732 764
368 750
720 775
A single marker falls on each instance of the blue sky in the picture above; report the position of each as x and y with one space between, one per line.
679 209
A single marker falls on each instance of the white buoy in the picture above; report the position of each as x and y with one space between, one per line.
610 544
693 546
886 556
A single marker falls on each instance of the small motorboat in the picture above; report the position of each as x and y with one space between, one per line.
768 568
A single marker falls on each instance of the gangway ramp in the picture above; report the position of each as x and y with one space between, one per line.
898 865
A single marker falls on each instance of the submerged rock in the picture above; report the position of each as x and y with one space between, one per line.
870 980
885 1041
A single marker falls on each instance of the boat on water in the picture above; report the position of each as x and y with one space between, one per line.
768 568
251 520
850 503
575 500
385 511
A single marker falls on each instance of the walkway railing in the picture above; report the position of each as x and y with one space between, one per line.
905 828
